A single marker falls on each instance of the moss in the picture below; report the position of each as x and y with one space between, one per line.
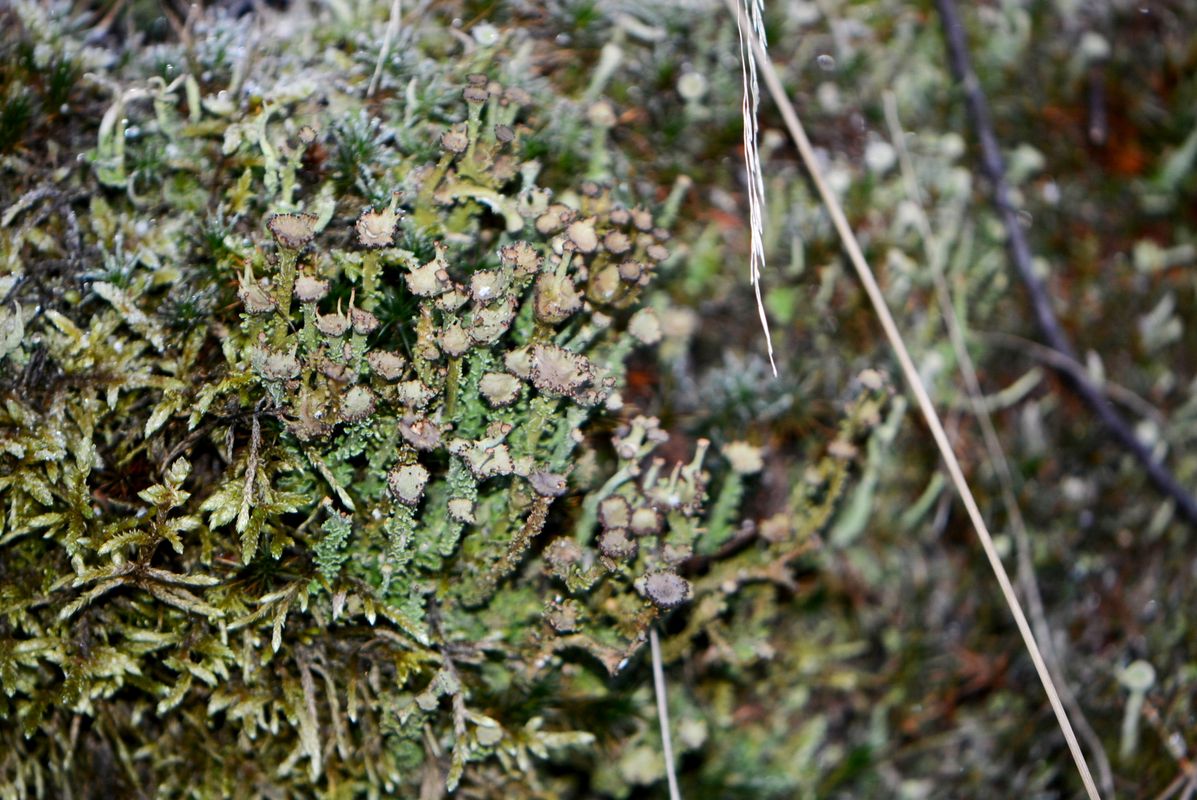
303 505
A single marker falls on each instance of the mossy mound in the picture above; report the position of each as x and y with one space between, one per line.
315 470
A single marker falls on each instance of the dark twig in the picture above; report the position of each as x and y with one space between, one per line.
994 168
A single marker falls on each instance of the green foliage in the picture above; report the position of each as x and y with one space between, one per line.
316 467
330 551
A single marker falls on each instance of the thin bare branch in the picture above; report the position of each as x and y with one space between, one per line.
993 166
1118 393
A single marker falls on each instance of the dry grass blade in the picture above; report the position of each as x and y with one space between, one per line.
993 447
930 415
663 714
388 36
750 23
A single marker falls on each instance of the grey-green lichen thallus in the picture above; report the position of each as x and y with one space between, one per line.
328 484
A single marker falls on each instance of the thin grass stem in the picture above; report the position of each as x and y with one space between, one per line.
930 415
663 714
993 447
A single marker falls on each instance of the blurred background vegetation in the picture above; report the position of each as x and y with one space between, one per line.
884 663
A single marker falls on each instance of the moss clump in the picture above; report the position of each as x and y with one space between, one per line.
307 464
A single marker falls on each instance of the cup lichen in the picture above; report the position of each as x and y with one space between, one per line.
337 534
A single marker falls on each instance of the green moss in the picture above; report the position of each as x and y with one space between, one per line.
266 524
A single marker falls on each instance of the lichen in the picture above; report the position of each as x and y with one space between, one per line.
316 492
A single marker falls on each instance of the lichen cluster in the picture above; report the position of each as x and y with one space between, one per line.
315 468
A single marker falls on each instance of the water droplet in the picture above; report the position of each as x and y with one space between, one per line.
1150 609
825 62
